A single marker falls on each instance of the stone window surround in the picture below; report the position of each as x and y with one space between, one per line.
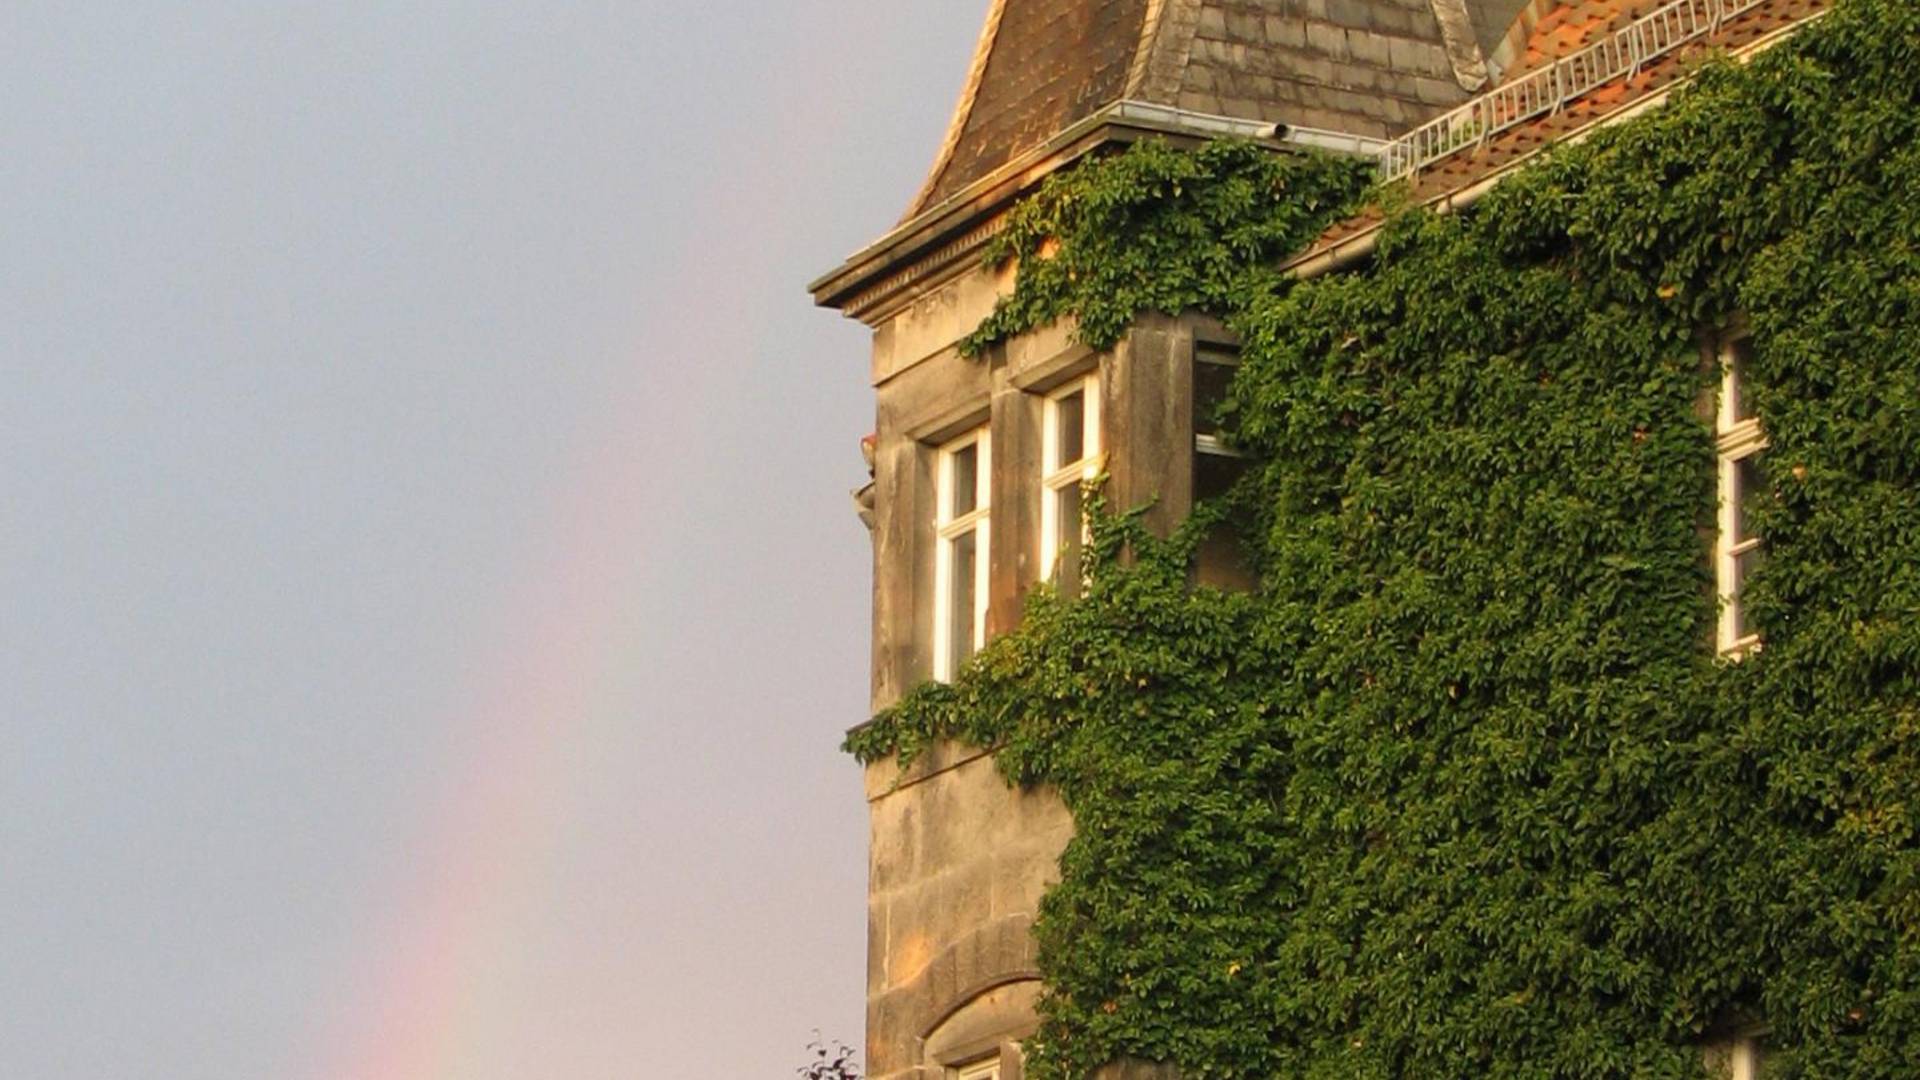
993 1051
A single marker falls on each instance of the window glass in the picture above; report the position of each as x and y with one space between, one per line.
1748 484
960 606
1071 417
966 480
1212 372
1221 559
1744 564
1066 568
1739 402
1071 440
1215 474
960 536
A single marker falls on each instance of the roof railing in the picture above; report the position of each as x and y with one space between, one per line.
1538 93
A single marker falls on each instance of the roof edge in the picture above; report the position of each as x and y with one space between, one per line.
962 109
953 222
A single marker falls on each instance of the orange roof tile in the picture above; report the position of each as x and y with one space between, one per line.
1562 32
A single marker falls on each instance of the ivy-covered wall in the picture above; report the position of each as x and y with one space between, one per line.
1464 790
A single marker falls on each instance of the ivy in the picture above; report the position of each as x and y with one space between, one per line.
1463 790
1159 229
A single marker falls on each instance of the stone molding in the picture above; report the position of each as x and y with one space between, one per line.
1000 953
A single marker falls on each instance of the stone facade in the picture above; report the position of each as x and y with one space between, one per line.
958 865
959 861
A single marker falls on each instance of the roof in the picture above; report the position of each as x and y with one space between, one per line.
1053 80
1562 32
1362 67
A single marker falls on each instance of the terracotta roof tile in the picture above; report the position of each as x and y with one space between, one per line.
1566 30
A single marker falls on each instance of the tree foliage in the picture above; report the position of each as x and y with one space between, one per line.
1464 790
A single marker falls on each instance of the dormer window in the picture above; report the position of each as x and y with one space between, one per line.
960 559
1070 452
1737 552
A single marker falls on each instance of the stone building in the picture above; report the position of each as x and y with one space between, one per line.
975 465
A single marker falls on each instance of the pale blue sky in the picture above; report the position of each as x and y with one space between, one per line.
431 596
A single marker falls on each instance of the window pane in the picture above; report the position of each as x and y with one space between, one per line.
1215 474
1221 560
960 603
1066 566
1070 415
1744 564
1749 481
1211 374
966 480
1740 403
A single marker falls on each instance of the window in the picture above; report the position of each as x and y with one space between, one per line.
1744 1062
980 1070
1220 560
1737 552
1069 456
960 560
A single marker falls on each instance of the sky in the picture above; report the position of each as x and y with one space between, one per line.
430 600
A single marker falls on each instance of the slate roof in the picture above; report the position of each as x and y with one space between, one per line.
1366 68
1561 32
1362 67
1040 66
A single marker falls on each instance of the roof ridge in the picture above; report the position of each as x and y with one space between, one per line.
1166 41
1463 51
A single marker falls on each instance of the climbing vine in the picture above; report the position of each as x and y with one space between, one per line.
1160 229
1464 790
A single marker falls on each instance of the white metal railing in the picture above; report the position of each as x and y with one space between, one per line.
1538 93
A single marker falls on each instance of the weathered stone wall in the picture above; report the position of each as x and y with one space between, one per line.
959 861
958 864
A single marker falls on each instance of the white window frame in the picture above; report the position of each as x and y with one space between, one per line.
1735 442
1057 476
948 530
